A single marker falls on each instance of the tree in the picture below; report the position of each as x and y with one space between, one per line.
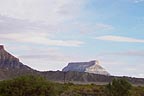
118 87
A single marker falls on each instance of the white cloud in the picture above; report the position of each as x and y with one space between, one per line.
46 15
51 11
120 39
40 38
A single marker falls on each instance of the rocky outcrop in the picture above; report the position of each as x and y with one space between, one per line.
8 61
90 67
10 66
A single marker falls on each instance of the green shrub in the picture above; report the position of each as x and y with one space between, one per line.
27 86
118 87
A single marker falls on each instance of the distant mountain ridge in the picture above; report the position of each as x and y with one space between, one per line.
11 67
90 67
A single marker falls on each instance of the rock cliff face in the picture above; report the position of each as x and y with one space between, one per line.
8 61
90 67
10 66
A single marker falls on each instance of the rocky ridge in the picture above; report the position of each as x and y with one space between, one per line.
10 66
8 61
89 67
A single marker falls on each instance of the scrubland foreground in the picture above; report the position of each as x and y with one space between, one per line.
31 85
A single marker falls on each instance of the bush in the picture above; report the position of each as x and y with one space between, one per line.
27 86
118 87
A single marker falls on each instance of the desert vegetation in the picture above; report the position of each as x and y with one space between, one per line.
38 86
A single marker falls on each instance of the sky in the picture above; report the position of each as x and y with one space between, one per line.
48 34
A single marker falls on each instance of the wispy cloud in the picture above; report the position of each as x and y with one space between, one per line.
24 31
104 26
138 1
45 59
90 27
120 39
9 25
139 53
131 53
41 38
48 58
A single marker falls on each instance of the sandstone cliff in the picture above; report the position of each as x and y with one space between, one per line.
10 66
8 61
90 67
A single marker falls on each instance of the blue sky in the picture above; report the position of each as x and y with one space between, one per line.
47 34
